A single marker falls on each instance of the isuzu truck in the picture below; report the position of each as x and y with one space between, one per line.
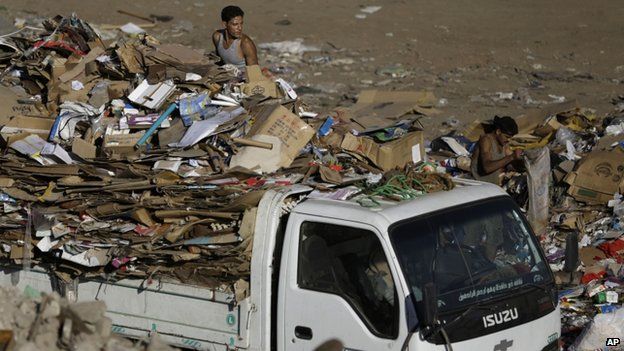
458 269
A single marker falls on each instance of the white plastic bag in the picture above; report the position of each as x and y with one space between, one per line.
537 163
564 134
604 326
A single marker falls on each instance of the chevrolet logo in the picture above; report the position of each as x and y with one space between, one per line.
504 345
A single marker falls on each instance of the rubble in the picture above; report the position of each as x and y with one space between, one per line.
49 322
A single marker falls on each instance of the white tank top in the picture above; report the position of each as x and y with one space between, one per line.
230 55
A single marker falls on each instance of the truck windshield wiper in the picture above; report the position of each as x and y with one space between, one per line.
441 328
472 308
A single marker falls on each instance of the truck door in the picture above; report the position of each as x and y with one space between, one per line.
338 284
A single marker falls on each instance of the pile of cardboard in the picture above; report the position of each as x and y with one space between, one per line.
138 159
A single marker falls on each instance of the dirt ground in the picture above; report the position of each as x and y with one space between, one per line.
481 57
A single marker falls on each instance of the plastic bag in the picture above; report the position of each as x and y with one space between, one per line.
537 162
564 134
603 327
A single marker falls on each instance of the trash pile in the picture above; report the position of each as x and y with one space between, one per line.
147 160
49 322
576 189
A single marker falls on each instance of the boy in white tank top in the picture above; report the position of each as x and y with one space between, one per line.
231 44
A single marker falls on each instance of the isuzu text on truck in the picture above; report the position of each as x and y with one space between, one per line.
456 269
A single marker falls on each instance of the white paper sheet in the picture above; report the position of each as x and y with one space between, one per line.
259 159
202 129
456 146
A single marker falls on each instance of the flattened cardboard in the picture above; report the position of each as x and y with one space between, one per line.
80 67
380 109
52 170
57 67
598 176
248 223
8 104
19 194
387 156
474 130
329 175
131 58
173 134
6 182
562 169
529 120
277 121
17 252
254 74
590 255
607 142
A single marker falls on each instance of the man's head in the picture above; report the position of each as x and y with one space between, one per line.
505 128
232 17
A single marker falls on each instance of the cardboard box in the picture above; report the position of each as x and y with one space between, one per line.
598 177
83 148
387 156
275 120
258 84
24 126
121 144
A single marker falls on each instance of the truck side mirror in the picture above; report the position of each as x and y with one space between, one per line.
430 299
571 253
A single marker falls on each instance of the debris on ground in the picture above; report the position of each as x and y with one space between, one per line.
49 322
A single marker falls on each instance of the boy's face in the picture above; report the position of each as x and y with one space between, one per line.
234 27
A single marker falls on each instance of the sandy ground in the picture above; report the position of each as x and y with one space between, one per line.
470 53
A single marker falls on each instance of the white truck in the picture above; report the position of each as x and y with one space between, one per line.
456 269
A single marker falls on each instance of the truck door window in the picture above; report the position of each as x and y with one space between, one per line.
351 263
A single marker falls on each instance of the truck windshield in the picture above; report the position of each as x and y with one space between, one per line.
471 253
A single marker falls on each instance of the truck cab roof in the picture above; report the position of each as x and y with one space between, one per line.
389 212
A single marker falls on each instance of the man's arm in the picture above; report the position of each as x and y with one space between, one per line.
215 40
485 157
249 51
